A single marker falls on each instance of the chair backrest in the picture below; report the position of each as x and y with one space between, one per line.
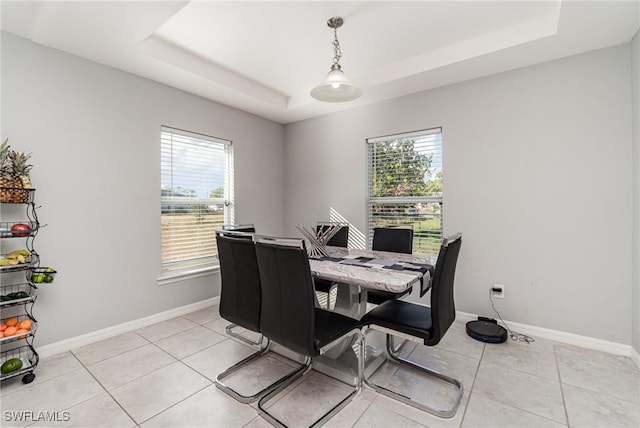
288 304
249 228
240 294
443 310
340 239
394 239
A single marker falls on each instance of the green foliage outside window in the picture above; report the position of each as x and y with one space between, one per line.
403 171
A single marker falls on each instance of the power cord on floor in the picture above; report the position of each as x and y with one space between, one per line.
512 334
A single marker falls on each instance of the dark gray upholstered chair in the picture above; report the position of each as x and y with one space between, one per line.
289 317
393 239
340 239
244 228
240 302
421 324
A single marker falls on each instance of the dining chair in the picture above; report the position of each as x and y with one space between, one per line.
421 324
290 318
340 239
240 302
396 240
248 228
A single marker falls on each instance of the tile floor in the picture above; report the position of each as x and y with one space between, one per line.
162 375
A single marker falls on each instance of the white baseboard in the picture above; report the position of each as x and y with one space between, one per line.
105 333
533 331
563 337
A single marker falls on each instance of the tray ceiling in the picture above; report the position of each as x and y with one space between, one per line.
264 57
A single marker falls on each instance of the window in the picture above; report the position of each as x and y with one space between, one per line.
405 186
196 193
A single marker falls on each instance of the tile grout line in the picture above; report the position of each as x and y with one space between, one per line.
564 401
364 411
519 408
179 360
103 387
595 390
115 400
175 404
112 356
118 403
464 413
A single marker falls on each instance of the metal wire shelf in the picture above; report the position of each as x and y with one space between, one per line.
29 358
22 335
17 294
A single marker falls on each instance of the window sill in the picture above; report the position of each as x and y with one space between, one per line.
173 277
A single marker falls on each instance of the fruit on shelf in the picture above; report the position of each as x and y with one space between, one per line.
14 296
40 275
15 257
21 252
20 229
11 365
13 327
9 331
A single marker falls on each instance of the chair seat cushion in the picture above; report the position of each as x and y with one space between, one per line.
330 326
378 297
323 285
401 316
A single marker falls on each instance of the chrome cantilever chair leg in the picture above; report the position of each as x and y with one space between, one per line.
230 332
285 380
335 409
393 356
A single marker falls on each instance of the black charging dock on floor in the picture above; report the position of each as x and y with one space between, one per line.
486 330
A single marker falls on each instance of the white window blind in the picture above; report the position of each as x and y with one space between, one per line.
405 186
196 197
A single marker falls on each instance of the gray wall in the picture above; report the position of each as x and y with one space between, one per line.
635 79
538 177
95 132
538 165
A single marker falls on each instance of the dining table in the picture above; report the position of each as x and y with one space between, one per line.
357 270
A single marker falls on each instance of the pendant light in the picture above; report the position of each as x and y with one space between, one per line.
336 87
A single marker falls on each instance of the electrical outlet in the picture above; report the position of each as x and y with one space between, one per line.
497 291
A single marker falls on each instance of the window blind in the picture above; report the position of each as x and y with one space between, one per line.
405 185
196 193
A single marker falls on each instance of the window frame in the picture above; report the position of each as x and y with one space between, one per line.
186 269
395 200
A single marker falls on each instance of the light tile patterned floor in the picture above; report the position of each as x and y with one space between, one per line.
162 376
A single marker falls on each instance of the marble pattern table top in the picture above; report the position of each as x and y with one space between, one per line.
377 278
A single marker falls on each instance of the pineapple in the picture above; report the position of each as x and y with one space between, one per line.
6 170
20 166
14 175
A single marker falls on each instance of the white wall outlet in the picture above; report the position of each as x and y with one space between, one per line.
497 291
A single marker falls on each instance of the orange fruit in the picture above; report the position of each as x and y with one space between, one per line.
9 331
10 322
3 326
24 325
20 331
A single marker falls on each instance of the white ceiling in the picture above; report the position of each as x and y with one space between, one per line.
265 56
